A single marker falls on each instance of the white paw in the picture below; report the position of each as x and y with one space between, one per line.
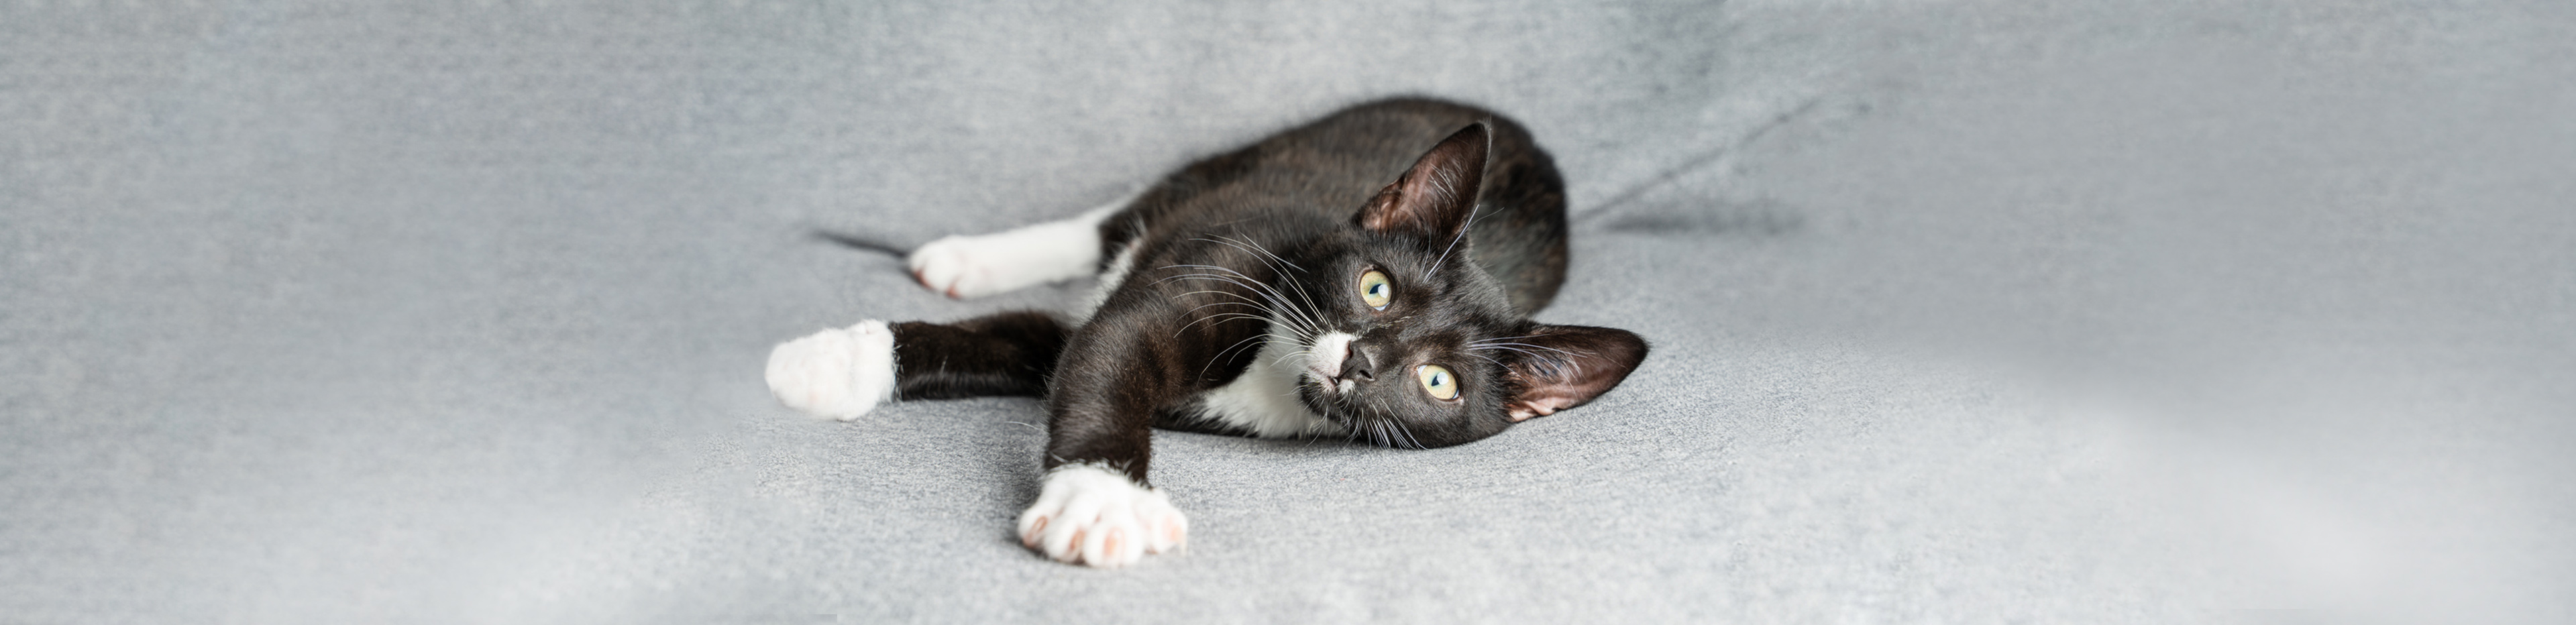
975 266
838 373
1090 515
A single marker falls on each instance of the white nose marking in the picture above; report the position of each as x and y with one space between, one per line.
1325 358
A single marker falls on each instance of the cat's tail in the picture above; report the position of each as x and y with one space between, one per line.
860 243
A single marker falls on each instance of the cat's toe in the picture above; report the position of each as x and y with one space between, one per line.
1096 517
1166 530
954 266
838 373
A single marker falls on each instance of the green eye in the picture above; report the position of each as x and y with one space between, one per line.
1437 381
1375 290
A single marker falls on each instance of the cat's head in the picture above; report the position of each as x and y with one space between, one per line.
1413 344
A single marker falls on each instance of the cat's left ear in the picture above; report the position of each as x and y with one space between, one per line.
1433 199
1554 367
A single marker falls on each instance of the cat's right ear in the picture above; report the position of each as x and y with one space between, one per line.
1433 199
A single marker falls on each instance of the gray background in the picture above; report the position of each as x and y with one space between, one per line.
2008 311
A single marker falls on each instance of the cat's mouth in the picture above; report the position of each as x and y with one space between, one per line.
1329 384
1326 397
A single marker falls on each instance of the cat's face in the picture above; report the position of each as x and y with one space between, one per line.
1407 342
1407 350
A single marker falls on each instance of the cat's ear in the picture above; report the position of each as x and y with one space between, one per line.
1433 199
1555 367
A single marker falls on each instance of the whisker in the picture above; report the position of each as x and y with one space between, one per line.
1303 296
1273 294
1274 305
1252 304
1487 345
1282 359
1249 246
1409 439
1463 229
1545 360
1515 350
1246 301
1256 248
1218 317
1220 355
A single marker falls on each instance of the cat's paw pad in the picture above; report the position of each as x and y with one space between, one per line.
976 266
840 373
1089 515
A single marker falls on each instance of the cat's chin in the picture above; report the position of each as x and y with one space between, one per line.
1321 398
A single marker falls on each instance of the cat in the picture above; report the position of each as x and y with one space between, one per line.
1367 276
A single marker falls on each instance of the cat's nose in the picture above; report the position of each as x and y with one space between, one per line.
1330 353
1360 365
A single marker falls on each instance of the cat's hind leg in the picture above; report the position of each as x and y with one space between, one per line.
843 373
1000 354
964 266
839 373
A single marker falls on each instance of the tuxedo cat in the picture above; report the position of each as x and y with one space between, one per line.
1367 276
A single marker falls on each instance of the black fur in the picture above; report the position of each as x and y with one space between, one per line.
1004 354
1461 212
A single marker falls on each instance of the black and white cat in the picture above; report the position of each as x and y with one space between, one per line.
1285 289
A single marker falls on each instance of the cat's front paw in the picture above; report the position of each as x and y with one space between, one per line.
1087 514
839 373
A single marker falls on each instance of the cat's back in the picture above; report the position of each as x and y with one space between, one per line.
1344 158
1335 164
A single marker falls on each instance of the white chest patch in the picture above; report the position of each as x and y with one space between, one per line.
1263 400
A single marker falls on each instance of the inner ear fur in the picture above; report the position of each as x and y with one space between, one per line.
1556 367
1432 201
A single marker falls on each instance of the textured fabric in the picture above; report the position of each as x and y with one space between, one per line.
1962 311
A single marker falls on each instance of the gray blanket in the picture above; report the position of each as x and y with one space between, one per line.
1973 311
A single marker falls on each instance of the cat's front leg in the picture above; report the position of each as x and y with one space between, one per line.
1094 505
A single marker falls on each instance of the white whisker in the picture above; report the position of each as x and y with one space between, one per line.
1453 241
1277 299
1249 246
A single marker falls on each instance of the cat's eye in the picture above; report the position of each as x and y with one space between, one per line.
1437 381
1375 290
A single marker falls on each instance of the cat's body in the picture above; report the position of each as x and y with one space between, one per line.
1285 289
